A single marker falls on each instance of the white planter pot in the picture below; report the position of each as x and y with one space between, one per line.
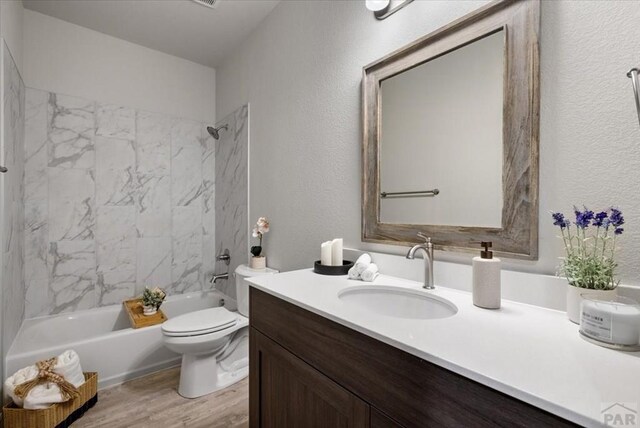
574 299
258 262
149 310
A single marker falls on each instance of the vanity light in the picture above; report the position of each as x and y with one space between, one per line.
382 8
377 5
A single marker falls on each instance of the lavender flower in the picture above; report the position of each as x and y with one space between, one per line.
558 220
616 219
601 219
590 254
583 218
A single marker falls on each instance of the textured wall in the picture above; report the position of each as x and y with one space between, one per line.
232 228
116 199
301 71
12 291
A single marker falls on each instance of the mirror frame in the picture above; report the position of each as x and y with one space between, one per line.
518 235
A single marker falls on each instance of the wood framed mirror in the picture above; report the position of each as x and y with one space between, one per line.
450 135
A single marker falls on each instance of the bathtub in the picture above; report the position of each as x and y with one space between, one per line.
104 340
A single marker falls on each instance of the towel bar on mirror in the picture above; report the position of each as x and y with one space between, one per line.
633 75
416 194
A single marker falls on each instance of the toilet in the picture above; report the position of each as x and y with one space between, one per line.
214 342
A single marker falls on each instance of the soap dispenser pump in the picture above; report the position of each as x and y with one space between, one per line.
486 279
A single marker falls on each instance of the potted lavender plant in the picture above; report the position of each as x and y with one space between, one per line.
590 246
258 261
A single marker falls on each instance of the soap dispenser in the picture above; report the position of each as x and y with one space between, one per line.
486 279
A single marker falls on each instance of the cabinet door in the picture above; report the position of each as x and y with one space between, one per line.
380 420
286 392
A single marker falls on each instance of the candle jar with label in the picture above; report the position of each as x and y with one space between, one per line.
611 322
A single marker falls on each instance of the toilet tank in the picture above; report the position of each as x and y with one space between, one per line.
242 286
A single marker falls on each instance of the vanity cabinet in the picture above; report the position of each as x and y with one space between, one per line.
308 371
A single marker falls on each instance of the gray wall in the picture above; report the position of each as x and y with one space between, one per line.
301 71
116 199
231 204
12 291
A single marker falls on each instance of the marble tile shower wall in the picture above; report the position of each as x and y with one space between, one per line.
12 192
232 193
116 199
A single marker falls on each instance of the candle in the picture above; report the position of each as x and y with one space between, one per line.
615 321
336 252
325 253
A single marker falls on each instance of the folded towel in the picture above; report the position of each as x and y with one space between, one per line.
362 263
353 273
47 393
370 273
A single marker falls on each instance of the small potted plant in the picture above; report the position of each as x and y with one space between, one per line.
258 261
590 246
152 299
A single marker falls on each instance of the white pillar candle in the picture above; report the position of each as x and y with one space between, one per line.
336 252
325 253
614 321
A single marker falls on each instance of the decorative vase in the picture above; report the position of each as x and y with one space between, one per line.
574 299
149 310
259 262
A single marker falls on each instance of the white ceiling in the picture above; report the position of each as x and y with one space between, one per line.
177 27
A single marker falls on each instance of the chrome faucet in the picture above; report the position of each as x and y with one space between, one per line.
427 248
215 278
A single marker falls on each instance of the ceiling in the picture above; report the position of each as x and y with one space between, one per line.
177 27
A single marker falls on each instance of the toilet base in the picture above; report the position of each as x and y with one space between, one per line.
203 374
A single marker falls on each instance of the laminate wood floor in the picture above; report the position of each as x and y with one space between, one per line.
153 401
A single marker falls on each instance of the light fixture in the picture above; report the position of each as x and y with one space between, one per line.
383 8
377 5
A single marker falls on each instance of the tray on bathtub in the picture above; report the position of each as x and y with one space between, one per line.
138 318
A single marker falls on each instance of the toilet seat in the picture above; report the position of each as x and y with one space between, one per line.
200 323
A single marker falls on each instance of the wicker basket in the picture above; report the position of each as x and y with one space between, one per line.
59 415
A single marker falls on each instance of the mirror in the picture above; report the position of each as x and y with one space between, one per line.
441 129
450 135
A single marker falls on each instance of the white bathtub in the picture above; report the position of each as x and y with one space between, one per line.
104 339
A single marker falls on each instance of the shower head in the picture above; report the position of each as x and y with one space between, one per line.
215 132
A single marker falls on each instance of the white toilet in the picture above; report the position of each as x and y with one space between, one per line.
214 342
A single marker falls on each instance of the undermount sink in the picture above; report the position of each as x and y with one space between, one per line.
398 302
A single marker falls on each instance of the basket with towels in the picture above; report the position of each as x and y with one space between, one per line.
52 393
47 382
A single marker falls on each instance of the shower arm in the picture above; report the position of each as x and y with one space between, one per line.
633 75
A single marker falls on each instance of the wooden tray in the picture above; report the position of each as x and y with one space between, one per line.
59 415
138 318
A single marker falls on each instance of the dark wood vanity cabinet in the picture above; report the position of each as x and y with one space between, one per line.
307 371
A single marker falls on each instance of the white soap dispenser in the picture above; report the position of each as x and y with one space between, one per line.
486 279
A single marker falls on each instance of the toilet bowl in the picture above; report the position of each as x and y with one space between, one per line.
214 342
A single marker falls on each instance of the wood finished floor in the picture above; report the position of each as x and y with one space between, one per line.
153 401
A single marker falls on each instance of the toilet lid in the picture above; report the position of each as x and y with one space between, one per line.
200 322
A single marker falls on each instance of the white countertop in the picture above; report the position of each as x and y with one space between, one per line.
528 352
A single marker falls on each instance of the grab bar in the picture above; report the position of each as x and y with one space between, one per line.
633 75
416 194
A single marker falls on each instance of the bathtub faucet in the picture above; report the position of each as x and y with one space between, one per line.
215 277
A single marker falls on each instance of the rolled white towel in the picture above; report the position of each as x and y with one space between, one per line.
362 263
370 273
19 377
68 366
353 273
45 394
